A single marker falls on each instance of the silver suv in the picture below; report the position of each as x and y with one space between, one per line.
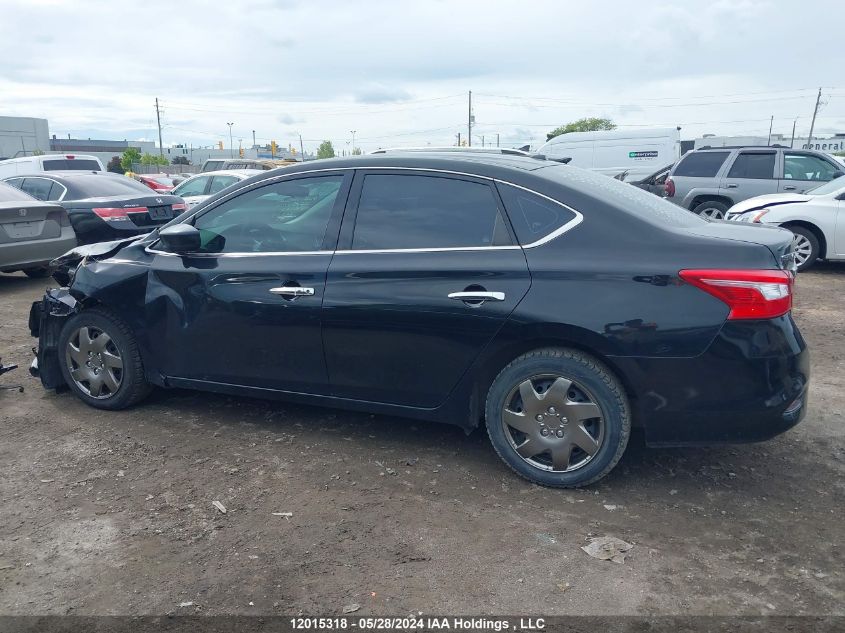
708 181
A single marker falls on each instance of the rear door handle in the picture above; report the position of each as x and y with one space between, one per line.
731 186
293 291
790 188
477 295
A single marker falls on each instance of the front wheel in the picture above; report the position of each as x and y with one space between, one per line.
806 247
711 209
558 417
100 360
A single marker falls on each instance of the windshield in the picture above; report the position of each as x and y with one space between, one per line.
834 186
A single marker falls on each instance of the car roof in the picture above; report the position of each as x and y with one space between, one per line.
477 162
70 174
230 172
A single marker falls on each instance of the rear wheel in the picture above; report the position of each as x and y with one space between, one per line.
100 360
711 209
558 418
806 247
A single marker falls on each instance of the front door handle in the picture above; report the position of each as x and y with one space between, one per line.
293 291
790 188
477 295
731 185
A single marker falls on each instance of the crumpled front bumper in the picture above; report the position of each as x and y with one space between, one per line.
46 320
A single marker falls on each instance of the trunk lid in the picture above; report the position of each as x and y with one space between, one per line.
27 220
159 207
776 239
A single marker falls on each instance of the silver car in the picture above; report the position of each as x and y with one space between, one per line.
198 188
709 181
32 233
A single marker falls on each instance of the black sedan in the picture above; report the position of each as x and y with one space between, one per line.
102 206
558 307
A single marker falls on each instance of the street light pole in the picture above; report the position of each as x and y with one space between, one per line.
353 141
231 142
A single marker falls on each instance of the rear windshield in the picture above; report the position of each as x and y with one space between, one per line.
12 194
97 186
61 164
623 196
700 164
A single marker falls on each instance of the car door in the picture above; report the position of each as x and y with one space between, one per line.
245 309
802 171
751 174
194 190
426 273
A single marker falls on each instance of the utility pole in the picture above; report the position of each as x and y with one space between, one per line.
301 149
482 140
497 139
792 142
158 120
469 121
253 139
231 142
813 123
353 141
771 121
459 139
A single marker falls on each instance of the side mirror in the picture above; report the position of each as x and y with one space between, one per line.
180 238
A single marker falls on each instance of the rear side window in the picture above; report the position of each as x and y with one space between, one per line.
701 164
38 188
218 183
753 165
61 164
408 211
532 216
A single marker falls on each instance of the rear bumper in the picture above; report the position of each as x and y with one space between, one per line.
750 385
35 253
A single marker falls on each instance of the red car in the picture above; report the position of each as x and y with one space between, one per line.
159 184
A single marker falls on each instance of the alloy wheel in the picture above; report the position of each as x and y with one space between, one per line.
712 213
94 362
553 423
802 248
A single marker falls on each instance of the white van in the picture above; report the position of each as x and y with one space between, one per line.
614 152
49 162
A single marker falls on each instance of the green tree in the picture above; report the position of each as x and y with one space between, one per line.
154 159
357 151
114 165
326 150
131 155
180 160
587 124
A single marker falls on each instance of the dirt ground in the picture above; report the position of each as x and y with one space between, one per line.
111 513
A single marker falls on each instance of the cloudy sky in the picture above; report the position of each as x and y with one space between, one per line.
398 72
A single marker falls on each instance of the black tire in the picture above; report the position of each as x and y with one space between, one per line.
132 386
711 208
37 273
587 376
813 243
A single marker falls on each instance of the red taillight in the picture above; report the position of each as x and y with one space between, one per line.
750 294
117 213
70 156
180 206
669 188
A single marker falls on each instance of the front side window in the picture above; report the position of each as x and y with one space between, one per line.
409 211
192 187
701 164
806 167
287 216
533 217
760 165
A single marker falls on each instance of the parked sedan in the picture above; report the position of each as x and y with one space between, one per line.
102 206
32 233
816 218
203 186
160 183
557 306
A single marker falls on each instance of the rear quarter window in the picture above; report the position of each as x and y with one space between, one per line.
533 216
701 164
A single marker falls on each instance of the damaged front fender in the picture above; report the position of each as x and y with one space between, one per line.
46 320
65 265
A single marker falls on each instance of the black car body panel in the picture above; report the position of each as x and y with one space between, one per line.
380 333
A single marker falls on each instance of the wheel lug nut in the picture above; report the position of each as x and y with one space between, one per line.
544 432
539 417
552 410
559 433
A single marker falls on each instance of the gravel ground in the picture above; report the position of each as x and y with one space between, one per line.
111 513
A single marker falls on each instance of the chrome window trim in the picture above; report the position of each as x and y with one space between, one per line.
543 240
55 182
